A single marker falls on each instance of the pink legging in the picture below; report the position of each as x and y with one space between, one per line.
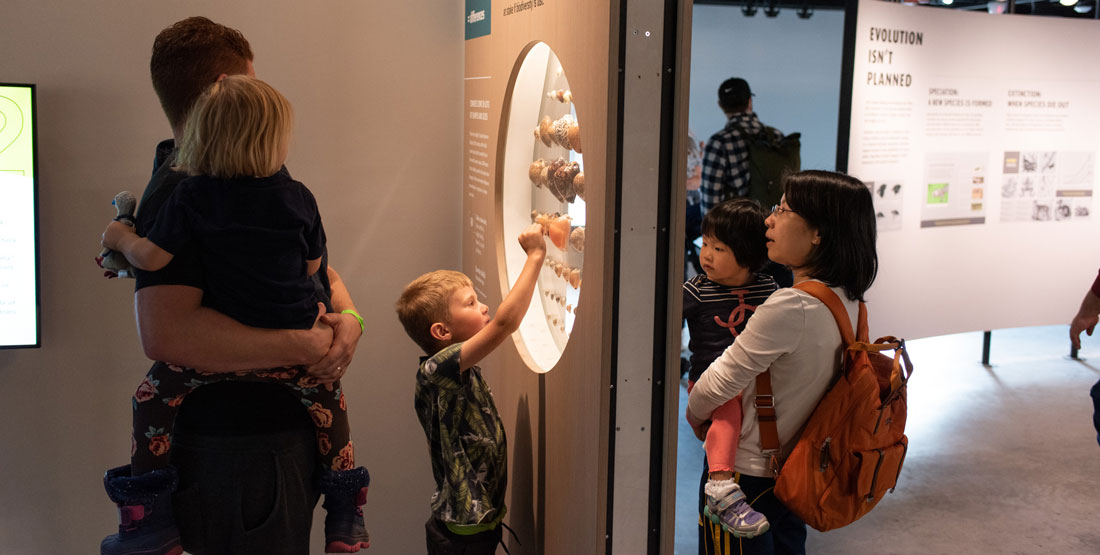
724 434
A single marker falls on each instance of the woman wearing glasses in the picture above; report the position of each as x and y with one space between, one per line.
823 230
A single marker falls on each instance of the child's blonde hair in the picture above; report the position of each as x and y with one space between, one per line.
239 127
426 301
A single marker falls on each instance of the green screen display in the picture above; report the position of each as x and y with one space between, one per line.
19 310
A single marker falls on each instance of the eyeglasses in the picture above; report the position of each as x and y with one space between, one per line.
779 209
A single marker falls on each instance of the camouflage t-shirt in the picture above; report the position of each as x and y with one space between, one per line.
465 441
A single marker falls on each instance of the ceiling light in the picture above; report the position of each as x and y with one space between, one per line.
748 9
1080 8
772 10
947 2
805 12
1067 2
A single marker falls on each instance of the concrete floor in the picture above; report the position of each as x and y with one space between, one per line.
1001 459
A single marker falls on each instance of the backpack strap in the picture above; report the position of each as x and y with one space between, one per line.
764 402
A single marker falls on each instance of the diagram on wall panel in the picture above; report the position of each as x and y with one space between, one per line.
953 191
1047 185
887 195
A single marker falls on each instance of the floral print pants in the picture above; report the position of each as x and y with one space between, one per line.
159 396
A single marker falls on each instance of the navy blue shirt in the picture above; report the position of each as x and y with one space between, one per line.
253 236
716 314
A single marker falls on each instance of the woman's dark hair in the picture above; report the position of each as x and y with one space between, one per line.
739 223
840 208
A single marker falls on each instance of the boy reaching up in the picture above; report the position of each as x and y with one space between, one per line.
442 314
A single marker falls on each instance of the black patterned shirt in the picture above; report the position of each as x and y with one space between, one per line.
466 443
716 314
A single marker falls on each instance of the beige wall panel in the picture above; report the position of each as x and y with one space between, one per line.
564 510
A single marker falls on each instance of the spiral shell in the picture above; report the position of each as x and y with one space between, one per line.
561 182
536 172
573 137
546 132
575 278
551 178
578 185
561 130
576 239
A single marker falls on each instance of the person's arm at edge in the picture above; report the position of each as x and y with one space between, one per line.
141 252
346 332
174 327
1087 316
513 307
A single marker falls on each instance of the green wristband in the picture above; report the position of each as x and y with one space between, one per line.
357 317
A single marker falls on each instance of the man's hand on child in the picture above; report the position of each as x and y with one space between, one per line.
532 239
345 337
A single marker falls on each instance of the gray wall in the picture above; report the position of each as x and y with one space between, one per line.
792 65
377 91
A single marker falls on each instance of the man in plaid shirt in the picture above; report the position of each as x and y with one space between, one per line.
726 156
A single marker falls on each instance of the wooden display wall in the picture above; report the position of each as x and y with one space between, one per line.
556 422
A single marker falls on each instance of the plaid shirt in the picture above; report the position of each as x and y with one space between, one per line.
726 161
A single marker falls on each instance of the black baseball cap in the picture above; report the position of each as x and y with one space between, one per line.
734 93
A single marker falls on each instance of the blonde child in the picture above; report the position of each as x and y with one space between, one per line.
442 314
259 238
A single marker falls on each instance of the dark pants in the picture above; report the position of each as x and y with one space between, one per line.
246 494
1096 409
158 397
442 541
786 534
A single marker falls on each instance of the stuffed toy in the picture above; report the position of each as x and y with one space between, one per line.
113 263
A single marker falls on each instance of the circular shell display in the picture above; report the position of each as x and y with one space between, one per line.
541 180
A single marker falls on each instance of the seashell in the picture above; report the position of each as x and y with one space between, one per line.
551 178
546 130
561 182
576 239
559 232
569 308
573 136
558 268
567 96
578 185
534 216
575 278
561 129
535 172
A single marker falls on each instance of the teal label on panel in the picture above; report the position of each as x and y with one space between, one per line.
478 16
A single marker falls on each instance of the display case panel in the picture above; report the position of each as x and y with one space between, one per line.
543 182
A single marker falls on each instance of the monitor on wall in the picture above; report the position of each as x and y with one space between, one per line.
19 284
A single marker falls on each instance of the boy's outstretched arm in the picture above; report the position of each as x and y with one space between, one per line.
141 252
514 306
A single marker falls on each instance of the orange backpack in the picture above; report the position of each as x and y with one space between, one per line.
852 447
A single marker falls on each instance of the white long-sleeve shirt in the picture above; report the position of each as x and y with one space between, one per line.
795 335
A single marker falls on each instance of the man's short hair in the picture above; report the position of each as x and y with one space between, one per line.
739 223
188 56
239 127
427 300
734 95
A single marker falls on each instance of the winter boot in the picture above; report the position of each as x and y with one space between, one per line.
146 525
345 492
